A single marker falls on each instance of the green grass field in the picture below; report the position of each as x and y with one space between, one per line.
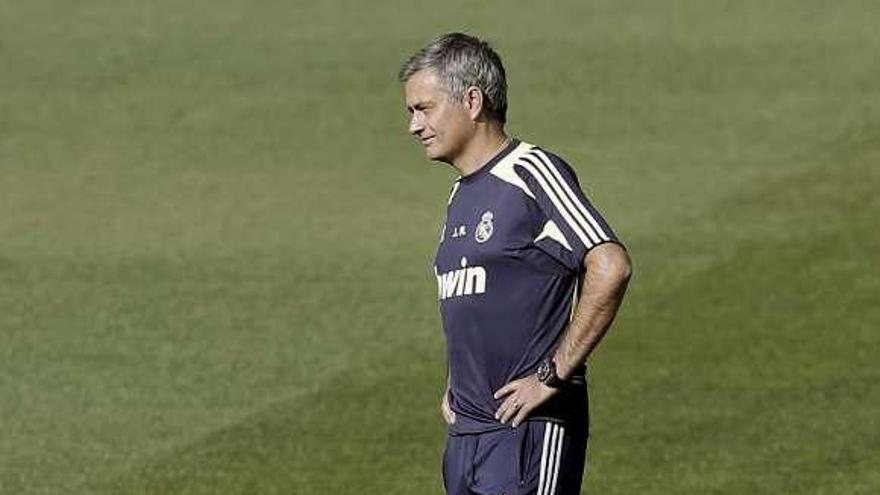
216 237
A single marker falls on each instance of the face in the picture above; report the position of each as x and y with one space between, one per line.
442 125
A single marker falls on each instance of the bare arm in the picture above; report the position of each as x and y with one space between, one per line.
608 270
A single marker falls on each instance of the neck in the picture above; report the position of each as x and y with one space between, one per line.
485 144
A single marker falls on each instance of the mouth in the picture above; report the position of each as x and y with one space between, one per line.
427 141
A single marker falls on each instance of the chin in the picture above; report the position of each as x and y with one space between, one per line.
435 155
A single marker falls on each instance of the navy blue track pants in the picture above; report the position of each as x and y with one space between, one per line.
535 458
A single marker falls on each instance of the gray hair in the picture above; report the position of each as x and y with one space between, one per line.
462 61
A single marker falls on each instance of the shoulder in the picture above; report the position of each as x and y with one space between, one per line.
555 163
531 163
533 153
528 165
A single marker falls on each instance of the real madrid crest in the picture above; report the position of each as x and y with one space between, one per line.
484 228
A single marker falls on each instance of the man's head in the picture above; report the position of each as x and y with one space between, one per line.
453 85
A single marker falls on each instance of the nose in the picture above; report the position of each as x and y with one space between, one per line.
415 124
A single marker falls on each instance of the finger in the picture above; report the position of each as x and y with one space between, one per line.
510 411
521 416
507 404
510 387
449 413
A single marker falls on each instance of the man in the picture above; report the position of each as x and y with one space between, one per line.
529 277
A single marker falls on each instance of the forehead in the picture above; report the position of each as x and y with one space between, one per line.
424 85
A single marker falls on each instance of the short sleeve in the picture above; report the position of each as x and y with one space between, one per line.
570 226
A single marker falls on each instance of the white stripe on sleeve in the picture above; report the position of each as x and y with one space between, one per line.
580 206
527 164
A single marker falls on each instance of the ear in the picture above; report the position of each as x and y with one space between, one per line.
473 102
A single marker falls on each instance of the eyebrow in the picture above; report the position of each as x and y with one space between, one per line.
420 104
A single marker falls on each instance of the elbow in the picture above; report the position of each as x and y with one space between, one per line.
612 263
627 268
621 269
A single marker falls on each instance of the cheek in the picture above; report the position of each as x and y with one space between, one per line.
443 121
435 124
457 128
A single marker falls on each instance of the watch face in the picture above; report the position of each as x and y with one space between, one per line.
543 371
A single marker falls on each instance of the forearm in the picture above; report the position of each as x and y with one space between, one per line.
608 272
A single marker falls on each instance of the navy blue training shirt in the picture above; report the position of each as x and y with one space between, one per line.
508 267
